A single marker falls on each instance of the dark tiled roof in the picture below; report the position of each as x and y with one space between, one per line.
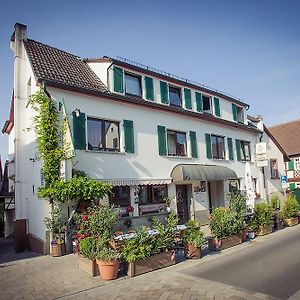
53 65
288 136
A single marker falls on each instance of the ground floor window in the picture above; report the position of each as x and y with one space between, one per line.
152 193
234 186
120 196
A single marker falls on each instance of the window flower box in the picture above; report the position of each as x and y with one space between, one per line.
154 262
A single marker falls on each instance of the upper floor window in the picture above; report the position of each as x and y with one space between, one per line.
274 168
245 151
175 96
103 135
120 196
240 114
133 85
218 147
206 100
176 143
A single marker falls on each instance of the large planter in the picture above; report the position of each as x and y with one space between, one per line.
244 234
152 263
216 244
264 230
291 222
89 266
108 269
58 250
190 251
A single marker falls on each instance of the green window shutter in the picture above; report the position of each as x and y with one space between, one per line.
162 142
79 131
217 107
149 88
230 149
198 101
118 80
238 150
292 185
164 95
129 136
234 112
188 98
291 165
208 146
193 138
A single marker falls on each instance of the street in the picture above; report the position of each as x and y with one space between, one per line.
266 268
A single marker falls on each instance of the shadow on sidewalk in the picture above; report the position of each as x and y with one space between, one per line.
7 252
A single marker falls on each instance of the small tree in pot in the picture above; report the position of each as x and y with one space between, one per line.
262 219
290 210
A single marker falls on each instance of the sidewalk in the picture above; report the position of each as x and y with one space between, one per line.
46 277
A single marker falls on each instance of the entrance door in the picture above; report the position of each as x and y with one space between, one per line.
182 203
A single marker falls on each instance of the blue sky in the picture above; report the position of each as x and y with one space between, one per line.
250 49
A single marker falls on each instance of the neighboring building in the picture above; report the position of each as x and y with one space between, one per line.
148 133
288 135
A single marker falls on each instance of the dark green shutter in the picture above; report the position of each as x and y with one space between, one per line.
149 88
217 107
208 146
164 95
129 136
291 165
198 101
292 186
162 142
194 150
238 150
118 80
230 149
188 98
234 112
79 131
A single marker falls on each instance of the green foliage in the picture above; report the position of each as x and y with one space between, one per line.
78 173
108 254
166 238
48 137
75 189
224 222
262 216
138 247
237 204
275 201
89 247
97 221
128 223
192 235
56 224
290 207
168 200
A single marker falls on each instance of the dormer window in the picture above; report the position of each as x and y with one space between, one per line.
175 96
206 104
240 114
133 85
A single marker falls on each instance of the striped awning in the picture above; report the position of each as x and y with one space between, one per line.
201 172
136 181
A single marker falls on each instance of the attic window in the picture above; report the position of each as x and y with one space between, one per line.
133 85
206 104
240 114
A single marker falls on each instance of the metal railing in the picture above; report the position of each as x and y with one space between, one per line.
161 72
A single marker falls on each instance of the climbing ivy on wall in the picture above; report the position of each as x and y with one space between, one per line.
48 134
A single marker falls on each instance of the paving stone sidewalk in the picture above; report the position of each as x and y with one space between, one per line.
46 277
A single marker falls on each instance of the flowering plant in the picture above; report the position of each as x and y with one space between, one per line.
129 208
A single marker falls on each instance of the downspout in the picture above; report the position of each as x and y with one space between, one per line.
108 79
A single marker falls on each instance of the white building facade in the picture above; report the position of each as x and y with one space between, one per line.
148 133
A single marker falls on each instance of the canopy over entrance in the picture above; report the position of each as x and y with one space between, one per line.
201 172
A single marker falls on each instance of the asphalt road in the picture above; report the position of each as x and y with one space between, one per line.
270 265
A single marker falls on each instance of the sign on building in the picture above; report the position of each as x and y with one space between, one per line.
284 181
261 148
261 156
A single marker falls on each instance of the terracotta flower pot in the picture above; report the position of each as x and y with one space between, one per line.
191 251
108 269
244 234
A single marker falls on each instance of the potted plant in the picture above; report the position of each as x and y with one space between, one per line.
89 250
193 239
108 263
129 210
225 229
290 210
57 227
278 219
262 219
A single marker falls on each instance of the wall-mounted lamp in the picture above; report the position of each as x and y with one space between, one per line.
77 112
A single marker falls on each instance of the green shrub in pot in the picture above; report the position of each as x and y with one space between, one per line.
194 237
290 207
263 216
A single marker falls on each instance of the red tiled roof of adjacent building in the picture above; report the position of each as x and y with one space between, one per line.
288 136
53 65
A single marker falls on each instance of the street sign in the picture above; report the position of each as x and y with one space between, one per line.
261 148
262 156
284 179
262 163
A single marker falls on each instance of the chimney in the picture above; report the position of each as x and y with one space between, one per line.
19 35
